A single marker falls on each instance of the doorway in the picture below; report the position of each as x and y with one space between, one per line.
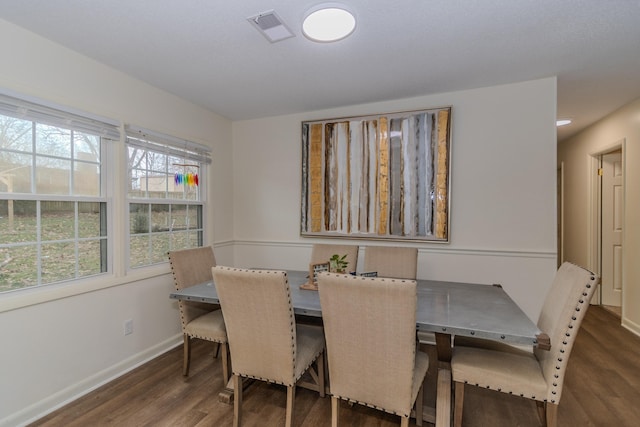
608 208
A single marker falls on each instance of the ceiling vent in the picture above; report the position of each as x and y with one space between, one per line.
271 26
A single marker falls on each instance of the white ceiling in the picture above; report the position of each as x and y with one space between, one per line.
207 52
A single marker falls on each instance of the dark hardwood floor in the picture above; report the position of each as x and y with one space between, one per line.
602 388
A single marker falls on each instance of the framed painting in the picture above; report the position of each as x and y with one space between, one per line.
383 176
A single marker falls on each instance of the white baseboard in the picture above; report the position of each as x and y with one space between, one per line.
631 326
43 407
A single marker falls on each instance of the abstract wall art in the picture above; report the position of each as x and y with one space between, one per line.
383 176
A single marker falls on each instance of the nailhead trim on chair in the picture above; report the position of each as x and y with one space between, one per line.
561 362
370 406
570 326
414 353
293 326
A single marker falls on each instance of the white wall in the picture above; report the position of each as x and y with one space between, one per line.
53 351
576 154
503 216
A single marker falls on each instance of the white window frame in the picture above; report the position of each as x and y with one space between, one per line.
190 152
36 111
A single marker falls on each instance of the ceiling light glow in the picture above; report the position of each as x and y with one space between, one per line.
328 24
562 122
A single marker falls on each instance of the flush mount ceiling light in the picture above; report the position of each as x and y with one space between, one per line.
328 23
562 122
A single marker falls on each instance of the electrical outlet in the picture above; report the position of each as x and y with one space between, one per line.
128 327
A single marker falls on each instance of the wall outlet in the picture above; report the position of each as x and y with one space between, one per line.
128 327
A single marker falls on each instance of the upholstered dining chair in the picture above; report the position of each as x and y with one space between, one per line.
265 342
363 315
199 320
397 262
391 261
321 252
537 375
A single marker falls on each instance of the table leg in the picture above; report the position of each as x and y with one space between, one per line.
226 395
444 391
443 398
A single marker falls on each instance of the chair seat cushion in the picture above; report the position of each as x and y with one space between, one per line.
508 372
310 343
209 327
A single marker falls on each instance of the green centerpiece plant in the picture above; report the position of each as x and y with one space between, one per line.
338 264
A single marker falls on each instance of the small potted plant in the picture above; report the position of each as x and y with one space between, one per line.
338 264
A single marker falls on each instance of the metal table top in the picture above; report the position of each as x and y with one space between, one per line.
468 309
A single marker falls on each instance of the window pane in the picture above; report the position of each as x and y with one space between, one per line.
86 147
16 134
19 267
52 175
53 141
139 251
91 219
86 179
157 161
194 217
15 170
137 166
159 247
185 240
179 217
57 220
58 262
18 221
139 218
160 218
156 185
195 239
90 261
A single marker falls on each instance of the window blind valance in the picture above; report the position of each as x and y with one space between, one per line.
32 111
150 140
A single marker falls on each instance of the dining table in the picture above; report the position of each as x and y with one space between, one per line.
447 309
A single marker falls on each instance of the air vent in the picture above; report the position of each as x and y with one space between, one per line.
271 26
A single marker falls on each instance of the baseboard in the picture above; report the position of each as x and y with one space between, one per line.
43 407
631 326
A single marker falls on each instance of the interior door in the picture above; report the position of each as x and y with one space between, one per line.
612 218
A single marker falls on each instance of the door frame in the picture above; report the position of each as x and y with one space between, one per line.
594 240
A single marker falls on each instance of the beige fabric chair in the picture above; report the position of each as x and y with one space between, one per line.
265 342
322 253
397 262
389 261
199 320
538 375
370 330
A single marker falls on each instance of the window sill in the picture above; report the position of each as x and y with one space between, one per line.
21 298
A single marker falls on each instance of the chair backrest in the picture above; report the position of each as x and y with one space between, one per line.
389 261
257 310
190 267
370 333
322 252
564 308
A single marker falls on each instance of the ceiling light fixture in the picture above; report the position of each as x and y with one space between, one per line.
328 22
562 122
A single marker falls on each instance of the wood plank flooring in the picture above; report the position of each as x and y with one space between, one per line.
602 388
